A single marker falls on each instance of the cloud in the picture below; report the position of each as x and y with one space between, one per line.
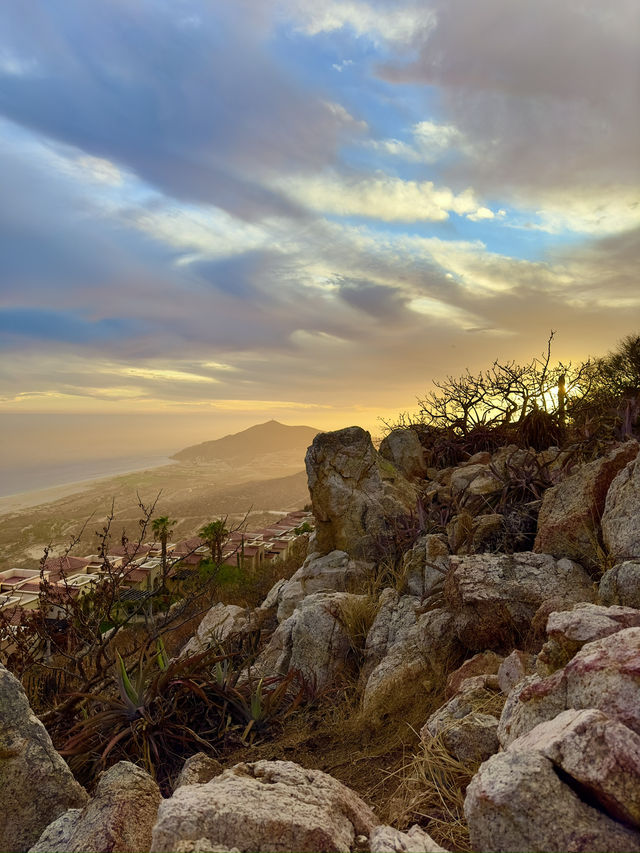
378 22
545 92
382 197
198 111
430 142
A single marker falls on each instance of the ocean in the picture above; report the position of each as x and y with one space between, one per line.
16 479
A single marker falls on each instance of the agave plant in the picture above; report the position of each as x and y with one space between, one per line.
163 711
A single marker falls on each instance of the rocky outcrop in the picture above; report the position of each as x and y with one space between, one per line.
621 585
569 519
313 640
569 630
36 786
386 839
356 494
495 596
517 801
333 572
621 517
268 805
119 818
403 449
604 674
218 623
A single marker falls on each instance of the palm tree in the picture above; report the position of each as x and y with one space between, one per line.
161 527
215 535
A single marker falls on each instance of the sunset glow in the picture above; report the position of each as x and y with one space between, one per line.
308 209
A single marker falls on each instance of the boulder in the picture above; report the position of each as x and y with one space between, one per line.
403 449
273 596
395 618
217 624
425 565
265 806
471 739
621 517
621 585
495 596
601 755
332 572
198 768
386 839
358 497
516 801
514 668
119 818
604 674
413 664
36 786
569 630
467 724
480 664
313 640
569 519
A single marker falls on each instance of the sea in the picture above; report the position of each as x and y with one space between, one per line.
15 480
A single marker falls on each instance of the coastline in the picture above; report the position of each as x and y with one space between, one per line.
49 494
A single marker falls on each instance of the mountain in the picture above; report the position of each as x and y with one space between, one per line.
257 441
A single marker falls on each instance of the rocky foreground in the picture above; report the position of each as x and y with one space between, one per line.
543 692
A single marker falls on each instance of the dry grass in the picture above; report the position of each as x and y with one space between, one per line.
357 616
430 792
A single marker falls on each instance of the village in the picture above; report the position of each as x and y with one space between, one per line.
140 568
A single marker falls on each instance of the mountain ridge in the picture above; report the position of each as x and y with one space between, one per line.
258 440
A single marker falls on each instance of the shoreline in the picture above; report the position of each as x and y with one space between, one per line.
49 494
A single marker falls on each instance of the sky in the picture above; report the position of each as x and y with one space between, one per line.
215 212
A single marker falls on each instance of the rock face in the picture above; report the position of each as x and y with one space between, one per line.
313 640
385 839
119 818
216 625
356 494
568 523
36 786
332 572
621 585
600 754
604 674
621 517
516 801
495 596
265 806
402 448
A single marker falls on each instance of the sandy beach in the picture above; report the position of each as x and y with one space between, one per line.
50 494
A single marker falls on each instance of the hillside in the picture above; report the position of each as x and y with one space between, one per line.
260 440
